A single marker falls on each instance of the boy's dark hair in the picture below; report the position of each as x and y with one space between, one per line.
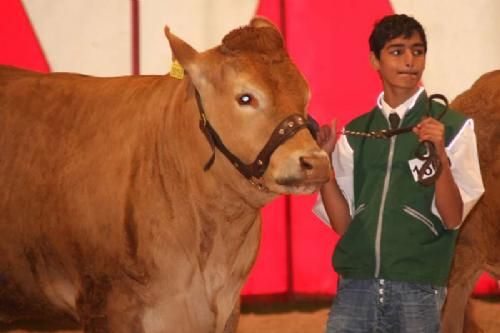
393 26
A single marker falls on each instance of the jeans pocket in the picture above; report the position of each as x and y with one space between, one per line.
424 288
421 305
440 297
343 283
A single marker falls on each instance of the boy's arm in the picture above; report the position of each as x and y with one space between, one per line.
464 162
332 198
447 195
448 200
336 206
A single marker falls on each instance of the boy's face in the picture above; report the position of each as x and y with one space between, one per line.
401 63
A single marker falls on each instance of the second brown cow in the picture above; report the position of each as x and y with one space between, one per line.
478 244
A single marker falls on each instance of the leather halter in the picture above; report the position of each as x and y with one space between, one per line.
284 131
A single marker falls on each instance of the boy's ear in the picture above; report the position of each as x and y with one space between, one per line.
374 61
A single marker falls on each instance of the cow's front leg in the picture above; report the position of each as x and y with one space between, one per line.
462 281
105 306
232 322
91 304
470 323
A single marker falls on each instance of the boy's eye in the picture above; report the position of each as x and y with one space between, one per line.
418 52
396 52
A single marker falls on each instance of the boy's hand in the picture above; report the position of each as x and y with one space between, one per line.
430 129
327 137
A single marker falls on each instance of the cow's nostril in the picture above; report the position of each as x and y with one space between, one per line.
304 164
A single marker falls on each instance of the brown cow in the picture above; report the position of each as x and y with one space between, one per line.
107 216
478 244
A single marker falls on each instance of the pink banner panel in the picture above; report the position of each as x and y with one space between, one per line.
330 45
270 273
328 41
18 43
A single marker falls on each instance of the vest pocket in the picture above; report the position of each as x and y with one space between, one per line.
359 209
420 217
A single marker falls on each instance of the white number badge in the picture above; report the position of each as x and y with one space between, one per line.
416 166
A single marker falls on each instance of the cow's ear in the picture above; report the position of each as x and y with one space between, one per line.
184 53
262 22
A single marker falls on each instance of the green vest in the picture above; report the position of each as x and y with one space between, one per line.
393 234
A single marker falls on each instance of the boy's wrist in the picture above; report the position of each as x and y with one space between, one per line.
445 160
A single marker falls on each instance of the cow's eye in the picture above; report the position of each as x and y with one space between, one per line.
245 99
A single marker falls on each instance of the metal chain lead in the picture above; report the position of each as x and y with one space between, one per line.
429 155
387 133
372 134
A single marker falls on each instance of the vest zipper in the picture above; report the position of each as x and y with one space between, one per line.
382 206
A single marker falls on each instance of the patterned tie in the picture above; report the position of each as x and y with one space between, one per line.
394 120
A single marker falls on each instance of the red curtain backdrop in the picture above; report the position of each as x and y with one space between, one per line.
328 41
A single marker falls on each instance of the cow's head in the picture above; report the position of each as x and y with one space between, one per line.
255 102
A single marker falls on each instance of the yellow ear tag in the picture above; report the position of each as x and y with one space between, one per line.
177 71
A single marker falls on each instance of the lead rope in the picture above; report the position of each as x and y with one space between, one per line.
426 150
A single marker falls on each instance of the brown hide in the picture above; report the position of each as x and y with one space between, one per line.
479 239
107 217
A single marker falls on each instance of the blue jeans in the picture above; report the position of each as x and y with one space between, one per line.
382 306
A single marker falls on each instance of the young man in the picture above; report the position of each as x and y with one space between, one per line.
396 215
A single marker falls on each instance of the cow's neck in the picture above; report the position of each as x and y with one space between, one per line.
192 154
223 204
220 206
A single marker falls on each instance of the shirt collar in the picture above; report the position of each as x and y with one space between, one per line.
400 109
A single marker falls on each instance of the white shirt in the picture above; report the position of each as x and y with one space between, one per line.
462 153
